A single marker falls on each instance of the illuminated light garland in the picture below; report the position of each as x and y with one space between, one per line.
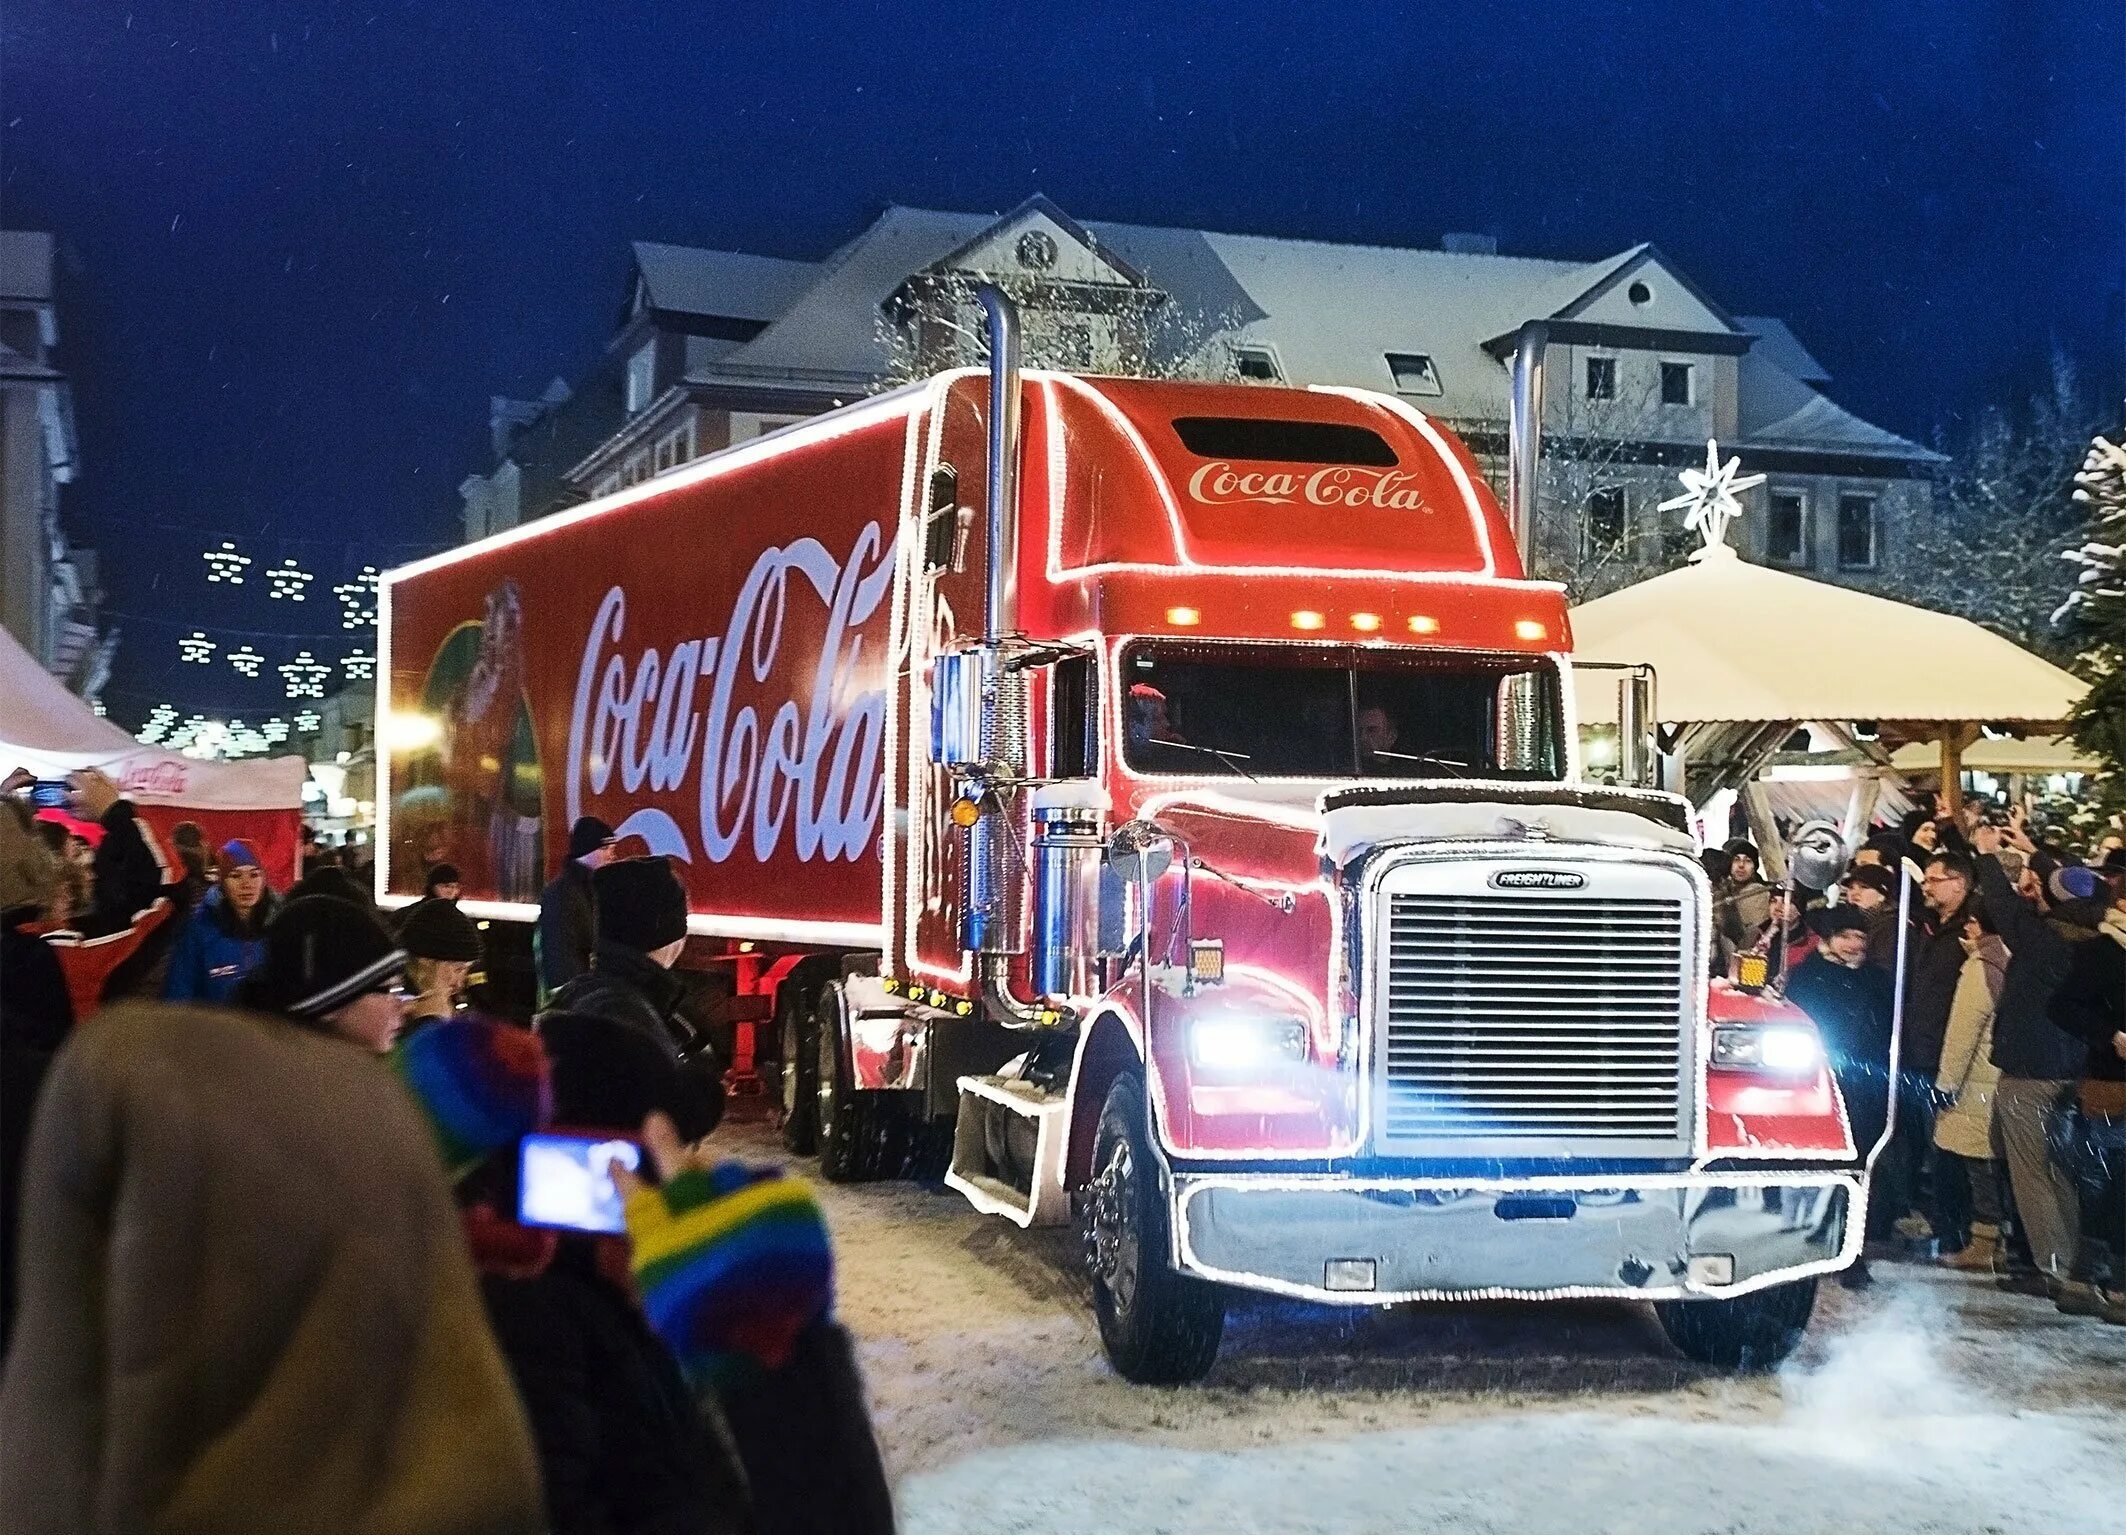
359 665
307 720
195 648
246 660
274 731
358 599
226 565
305 675
289 580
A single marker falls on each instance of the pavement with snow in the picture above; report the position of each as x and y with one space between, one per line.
1931 1404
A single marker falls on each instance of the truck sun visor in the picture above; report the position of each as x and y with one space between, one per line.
1284 442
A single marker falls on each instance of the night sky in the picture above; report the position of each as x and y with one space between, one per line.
303 243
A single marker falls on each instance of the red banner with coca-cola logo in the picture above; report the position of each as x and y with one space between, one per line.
701 663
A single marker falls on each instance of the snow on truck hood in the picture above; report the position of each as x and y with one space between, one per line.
1606 818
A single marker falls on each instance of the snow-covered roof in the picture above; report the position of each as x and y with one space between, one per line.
1331 313
725 284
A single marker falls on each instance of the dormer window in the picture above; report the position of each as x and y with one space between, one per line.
642 377
1258 364
1414 373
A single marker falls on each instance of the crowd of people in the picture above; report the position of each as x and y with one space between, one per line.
1998 1110
267 1262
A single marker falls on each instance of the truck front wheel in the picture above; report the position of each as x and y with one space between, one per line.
1158 1327
1748 1332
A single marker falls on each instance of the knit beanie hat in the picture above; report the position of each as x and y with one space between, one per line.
587 836
610 1075
732 1264
331 882
641 904
483 1085
2072 882
1839 919
237 853
436 929
321 954
441 874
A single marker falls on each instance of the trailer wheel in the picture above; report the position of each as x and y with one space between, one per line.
1157 1326
1749 1332
800 1052
861 1134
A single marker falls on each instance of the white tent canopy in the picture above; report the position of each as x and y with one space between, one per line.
2038 754
51 732
1730 641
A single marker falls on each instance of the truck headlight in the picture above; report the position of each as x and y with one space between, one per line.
1239 1044
1777 1049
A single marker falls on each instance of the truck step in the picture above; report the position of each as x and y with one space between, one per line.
1007 1150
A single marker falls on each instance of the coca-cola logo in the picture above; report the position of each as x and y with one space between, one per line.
1219 483
767 756
155 778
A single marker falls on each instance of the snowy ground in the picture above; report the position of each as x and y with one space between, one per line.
1930 1404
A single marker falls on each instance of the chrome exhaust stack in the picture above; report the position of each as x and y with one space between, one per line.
1524 434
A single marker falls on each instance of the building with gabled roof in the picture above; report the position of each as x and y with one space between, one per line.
1643 365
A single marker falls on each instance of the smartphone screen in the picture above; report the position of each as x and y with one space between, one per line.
50 794
565 1181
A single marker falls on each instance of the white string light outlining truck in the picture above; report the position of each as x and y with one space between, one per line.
1172 790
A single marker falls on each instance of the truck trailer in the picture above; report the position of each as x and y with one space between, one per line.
1162 802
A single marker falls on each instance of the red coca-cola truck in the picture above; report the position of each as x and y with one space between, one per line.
1168 795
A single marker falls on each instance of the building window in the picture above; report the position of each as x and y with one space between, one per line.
1676 380
1414 373
1258 363
1601 378
1786 529
1856 533
1605 519
606 485
641 377
746 424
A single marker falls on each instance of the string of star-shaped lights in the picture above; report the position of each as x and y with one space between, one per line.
195 648
246 660
359 665
161 719
289 580
305 675
1710 494
308 720
358 599
225 565
274 731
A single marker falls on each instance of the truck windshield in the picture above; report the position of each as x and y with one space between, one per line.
1338 712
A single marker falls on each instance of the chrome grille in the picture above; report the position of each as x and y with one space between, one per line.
1513 1020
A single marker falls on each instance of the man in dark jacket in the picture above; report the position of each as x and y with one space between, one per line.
1849 999
2039 1061
2091 1004
642 926
1934 958
567 930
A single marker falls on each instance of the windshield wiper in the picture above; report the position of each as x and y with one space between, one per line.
1461 769
1231 759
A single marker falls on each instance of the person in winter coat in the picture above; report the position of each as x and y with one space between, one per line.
624 1446
1849 1001
226 937
568 927
642 927
736 1274
1934 962
1965 1084
1743 902
2091 1004
330 965
248 1305
1872 889
442 945
2039 1062
36 1014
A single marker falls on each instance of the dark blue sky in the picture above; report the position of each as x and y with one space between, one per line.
306 241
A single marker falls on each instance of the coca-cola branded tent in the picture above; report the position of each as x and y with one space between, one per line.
48 730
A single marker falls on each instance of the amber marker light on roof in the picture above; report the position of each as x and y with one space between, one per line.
1365 623
1307 618
1529 629
1184 618
1423 623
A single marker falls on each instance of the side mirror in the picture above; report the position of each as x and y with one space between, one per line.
1638 759
1139 852
956 688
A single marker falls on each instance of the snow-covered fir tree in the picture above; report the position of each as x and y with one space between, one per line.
2094 617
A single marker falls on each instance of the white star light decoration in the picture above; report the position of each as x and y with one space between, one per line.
274 731
305 675
196 648
1710 494
160 720
226 565
307 720
289 580
359 665
246 660
358 599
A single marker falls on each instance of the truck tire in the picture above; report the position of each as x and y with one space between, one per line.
800 1053
1750 1332
862 1134
1159 1327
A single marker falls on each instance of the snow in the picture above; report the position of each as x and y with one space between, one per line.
1932 1403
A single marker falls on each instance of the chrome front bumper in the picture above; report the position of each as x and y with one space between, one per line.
1377 1242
